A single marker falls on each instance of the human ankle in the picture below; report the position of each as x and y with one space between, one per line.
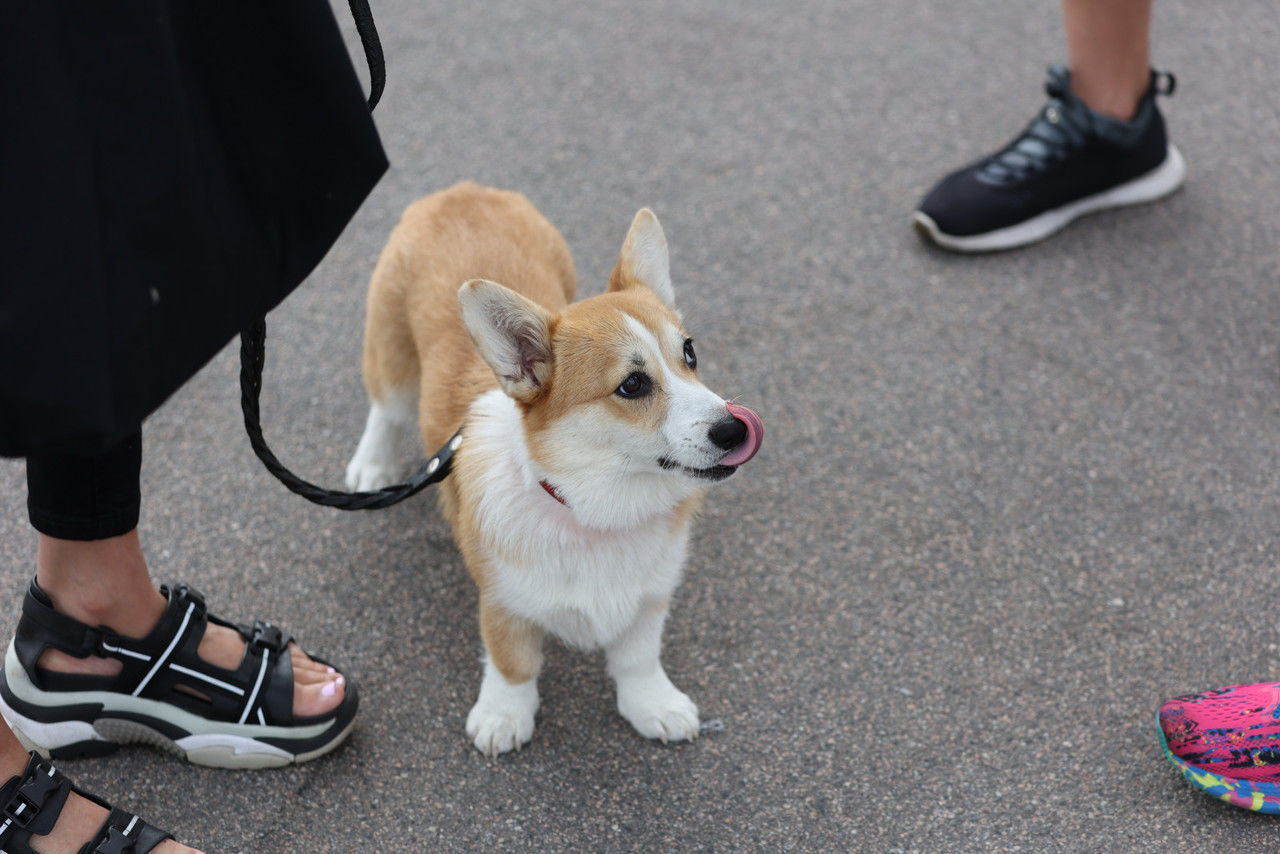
100 582
1109 97
132 614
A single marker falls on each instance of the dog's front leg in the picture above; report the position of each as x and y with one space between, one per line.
646 697
502 718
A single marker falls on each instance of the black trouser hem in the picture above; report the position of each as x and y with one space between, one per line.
122 521
86 496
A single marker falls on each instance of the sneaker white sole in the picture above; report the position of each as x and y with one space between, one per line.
221 745
1156 184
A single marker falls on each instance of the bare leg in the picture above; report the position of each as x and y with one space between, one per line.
1108 52
106 583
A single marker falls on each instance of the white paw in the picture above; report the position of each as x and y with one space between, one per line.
502 718
382 457
365 476
496 729
665 713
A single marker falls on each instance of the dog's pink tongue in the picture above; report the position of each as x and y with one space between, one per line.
755 434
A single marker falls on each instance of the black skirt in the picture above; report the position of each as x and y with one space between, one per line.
169 170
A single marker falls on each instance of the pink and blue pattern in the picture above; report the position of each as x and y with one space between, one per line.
1226 742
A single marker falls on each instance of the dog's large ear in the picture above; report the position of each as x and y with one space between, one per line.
513 335
644 260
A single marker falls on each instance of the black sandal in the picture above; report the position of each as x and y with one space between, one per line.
165 694
33 802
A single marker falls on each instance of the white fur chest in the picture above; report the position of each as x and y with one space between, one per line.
582 584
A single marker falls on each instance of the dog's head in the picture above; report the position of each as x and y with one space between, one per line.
613 409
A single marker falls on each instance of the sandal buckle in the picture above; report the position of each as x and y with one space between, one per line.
31 795
42 783
116 842
98 640
186 593
20 811
267 637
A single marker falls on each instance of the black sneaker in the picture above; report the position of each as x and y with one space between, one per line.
1070 161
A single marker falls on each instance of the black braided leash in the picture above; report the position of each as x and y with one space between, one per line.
363 16
253 357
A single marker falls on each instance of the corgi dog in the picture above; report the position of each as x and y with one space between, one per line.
587 441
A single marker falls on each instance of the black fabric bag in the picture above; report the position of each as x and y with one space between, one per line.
169 171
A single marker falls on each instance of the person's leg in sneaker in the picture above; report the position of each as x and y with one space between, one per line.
1108 53
1099 142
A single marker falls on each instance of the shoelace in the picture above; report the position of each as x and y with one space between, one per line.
1062 125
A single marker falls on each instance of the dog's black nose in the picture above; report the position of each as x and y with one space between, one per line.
728 434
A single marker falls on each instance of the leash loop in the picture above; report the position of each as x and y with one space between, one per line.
252 359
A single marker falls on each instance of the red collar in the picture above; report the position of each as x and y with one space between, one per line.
551 490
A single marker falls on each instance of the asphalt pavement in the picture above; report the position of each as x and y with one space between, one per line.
1005 505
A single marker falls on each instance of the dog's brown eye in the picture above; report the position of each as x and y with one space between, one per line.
635 385
690 358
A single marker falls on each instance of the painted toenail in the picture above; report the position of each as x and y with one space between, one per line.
328 690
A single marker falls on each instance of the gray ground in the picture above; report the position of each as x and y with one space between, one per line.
1005 505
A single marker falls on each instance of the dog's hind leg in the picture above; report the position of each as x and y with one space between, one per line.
390 441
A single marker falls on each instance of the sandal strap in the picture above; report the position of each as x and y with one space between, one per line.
273 688
185 601
124 833
32 802
258 691
41 627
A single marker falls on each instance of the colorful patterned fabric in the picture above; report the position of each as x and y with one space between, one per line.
1226 742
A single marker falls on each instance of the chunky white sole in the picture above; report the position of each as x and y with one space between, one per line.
1156 184
212 744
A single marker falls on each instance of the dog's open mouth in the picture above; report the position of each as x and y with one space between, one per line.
713 473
